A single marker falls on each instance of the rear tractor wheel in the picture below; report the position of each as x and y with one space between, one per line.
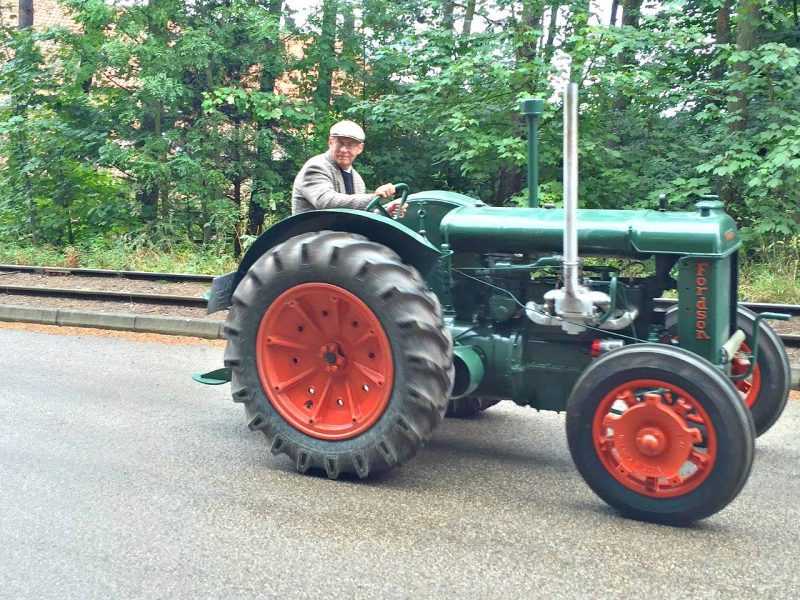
339 354
766 390
660 434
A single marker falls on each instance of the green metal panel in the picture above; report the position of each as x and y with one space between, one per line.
413 249
427 209
533 368
709 231
704 305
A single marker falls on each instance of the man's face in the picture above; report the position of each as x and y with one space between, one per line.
344 150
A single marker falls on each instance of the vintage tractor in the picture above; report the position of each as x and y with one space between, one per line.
351 333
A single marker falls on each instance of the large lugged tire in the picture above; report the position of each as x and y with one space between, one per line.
339 354
468 406
660 434
766 391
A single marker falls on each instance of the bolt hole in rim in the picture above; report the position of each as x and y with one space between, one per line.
654 438
326 360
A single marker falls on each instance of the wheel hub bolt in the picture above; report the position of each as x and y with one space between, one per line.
651 441
333 356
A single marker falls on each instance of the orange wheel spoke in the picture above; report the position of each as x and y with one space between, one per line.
628 397
609 420
699 459
335 316
371 374
306 317
606 443
276 340
282 385
355 411
364 338
320 400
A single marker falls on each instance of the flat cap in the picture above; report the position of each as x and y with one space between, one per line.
348 129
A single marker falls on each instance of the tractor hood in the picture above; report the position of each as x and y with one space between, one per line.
708 231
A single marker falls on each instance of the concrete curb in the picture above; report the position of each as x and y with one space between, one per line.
203 328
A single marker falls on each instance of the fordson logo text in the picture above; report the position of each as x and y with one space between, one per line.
701 314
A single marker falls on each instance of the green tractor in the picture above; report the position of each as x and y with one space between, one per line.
351 334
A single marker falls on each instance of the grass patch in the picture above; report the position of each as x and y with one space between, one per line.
122 257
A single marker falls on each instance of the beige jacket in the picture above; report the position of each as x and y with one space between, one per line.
319 184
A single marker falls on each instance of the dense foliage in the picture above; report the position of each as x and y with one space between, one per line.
185 122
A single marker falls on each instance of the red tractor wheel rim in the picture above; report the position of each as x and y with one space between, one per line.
749 388
654 438
324 361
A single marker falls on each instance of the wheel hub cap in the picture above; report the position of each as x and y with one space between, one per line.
647 435
652 439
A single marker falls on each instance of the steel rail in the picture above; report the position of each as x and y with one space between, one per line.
145 275
758 307
114 296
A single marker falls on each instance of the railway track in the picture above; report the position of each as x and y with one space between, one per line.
200 302
140 275
105 295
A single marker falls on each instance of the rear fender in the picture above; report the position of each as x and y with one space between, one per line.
412 248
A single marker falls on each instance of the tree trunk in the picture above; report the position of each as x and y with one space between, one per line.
530 20
448 6
255 212
25 21
549 43
25 13
631 14
612 21
747 30
723 35
509 182
580 19
469 15
327 53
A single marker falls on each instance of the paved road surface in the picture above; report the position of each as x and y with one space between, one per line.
119 477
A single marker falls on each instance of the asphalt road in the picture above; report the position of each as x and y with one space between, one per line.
120 478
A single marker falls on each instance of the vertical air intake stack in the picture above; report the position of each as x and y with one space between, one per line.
574 306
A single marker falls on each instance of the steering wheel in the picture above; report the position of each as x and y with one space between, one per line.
376 202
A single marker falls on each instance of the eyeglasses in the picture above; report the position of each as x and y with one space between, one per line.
345 143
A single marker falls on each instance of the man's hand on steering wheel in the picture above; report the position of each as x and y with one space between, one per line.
391 208
385 191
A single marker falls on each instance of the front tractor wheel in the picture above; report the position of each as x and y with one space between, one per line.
339 354
660 434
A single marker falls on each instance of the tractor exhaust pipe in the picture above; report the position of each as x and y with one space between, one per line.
571 263
574 306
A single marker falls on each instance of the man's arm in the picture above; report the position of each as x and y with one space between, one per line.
317 187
